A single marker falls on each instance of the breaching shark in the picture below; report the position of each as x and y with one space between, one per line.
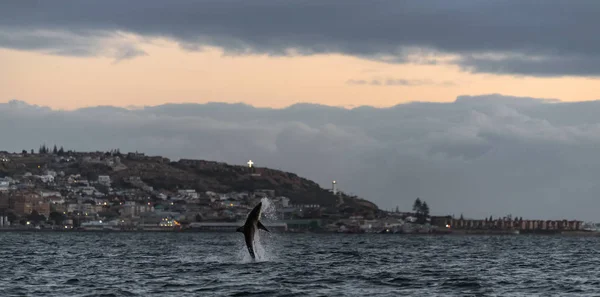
249 228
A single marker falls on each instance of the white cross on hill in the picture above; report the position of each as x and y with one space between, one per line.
250 163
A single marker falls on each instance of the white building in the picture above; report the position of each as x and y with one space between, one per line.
50 194
73 178
301 206
88 190
104 180
47 178
56 200
134 210
411 219
190 194
100 224
82 209
4 186
283 201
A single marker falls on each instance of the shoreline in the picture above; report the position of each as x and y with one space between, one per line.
462 233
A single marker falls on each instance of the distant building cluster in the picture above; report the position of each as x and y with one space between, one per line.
507 223
63 190
51 194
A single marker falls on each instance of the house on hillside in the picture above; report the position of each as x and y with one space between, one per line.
4 185
104 180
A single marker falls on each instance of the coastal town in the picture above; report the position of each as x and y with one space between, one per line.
58 190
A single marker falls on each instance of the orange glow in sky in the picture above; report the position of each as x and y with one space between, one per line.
170 74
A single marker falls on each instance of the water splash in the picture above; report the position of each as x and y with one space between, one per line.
269 211
264 242
262 249
215 259
243 254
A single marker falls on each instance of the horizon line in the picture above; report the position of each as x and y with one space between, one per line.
298 104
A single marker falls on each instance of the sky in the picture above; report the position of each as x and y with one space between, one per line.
71 54
478 107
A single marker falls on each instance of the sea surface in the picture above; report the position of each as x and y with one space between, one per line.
217 264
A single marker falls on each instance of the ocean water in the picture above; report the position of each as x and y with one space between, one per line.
217 264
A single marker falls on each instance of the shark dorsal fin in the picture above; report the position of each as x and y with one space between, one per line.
261 226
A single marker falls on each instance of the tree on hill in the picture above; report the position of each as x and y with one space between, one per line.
36 217
425 209
91 175
57 217
43 149
103 189
55 150
417 205
61 151
421 210
109 214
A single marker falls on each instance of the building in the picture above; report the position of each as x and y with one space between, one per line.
282 202
4 185
82 208
88 190
189 194
47 178
4 202
508 224
104 180
42 207
50 194
265 193
304 224
301 206
131 209
26 202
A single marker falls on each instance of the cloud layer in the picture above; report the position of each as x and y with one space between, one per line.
508 37
398 82
481 156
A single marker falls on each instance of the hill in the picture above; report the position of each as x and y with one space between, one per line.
200 175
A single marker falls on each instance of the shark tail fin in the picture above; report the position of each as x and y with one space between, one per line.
261 226
240 229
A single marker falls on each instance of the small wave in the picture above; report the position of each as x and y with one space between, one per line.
462 284
72 281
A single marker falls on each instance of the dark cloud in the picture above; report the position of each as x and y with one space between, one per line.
552 38
480 155
544 66
398 82
67 43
